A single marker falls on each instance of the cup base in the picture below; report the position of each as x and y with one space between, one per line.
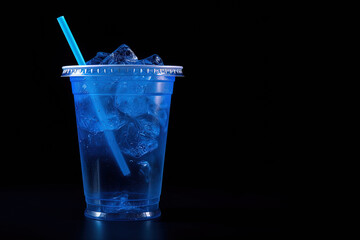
125 215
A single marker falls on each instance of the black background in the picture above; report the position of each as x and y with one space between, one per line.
225 154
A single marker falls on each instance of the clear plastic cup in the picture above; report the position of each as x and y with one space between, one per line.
134 104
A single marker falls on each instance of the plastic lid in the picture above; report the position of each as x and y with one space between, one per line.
125 70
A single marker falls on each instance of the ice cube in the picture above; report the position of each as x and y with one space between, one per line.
98 58
87 118
122 198
144 170
163 118
122 55
132 105
149 126
133 141
119 202
159 107
152 60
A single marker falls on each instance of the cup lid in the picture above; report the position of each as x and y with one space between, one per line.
125 70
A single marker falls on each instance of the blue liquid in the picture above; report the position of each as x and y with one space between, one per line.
139 123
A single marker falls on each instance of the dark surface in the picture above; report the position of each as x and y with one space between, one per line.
229 140
56 212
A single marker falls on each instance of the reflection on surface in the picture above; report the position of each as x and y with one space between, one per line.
94 229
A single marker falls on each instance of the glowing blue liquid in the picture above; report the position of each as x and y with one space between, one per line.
139 123
106 189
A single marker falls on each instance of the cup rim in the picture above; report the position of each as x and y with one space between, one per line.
121 69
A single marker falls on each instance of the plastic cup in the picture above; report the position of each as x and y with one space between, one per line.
136 103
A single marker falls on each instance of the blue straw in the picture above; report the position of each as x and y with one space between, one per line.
95 100
70 38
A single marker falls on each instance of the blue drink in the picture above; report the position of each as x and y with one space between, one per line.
125 105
